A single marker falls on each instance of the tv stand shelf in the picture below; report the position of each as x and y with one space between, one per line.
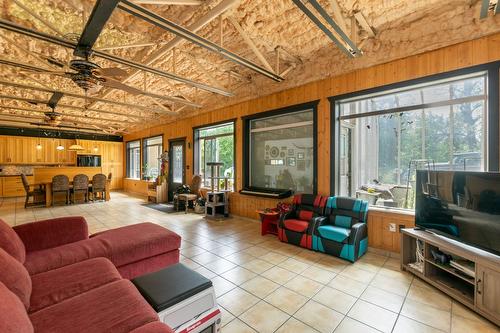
480 293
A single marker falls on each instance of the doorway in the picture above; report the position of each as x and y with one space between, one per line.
177 166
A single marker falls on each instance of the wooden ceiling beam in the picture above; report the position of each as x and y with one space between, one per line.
250 43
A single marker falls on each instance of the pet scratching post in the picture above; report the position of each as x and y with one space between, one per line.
217 199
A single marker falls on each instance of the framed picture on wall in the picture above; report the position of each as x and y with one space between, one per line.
290 161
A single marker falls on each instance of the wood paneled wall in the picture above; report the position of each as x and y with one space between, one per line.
475 52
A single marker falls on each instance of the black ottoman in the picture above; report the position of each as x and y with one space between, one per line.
184 299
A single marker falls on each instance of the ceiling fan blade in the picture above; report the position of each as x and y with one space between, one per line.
118 85
113 71
54 99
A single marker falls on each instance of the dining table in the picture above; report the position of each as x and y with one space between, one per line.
48 190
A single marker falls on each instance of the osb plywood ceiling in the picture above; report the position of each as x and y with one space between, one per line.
274 34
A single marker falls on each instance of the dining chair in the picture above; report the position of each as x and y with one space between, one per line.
33 191
80 185
99 186
60 184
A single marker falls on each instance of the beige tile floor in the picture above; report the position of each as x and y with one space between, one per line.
264 285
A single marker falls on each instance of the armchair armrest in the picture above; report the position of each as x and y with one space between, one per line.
358 232
288 215
51 233
316 222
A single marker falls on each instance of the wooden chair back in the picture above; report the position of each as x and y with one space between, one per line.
80 182
26 184
99 182
60 183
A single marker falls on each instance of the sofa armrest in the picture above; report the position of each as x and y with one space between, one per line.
288 215
51 233
316 222
358 232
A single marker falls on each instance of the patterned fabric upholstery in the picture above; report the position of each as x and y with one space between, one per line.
296 226
342 230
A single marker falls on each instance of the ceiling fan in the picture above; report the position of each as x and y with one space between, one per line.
90 76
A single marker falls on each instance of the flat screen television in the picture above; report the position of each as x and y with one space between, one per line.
461 205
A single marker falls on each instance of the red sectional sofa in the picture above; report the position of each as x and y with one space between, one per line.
55 278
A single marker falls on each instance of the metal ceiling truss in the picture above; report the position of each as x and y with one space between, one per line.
70 94
97 20
338 36
106 120
80 108
180 31
171 99
28 120
486 6
10 26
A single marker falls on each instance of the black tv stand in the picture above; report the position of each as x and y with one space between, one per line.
480 293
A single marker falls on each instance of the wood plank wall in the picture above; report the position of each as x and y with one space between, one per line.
475 52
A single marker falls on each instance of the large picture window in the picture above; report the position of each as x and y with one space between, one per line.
383 138
151 150
214 144
281 150
134 159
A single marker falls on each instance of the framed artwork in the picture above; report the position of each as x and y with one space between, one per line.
290 161
300 156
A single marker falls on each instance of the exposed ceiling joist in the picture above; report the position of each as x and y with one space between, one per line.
337 15
174 28
67 93
38 18
250 43
215 12
27 120
80 108
64 43
100 15
364 24
108 120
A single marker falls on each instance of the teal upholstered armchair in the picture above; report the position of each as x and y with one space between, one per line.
342 231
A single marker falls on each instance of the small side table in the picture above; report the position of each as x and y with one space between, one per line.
269 222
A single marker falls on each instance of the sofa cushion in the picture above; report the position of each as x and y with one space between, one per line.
54 232
15 277
334 233
11 243
62 283
296 225
122 246
115 307
13 316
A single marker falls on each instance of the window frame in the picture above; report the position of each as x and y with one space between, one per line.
195 145
492 117
312 105
127 160
143 149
